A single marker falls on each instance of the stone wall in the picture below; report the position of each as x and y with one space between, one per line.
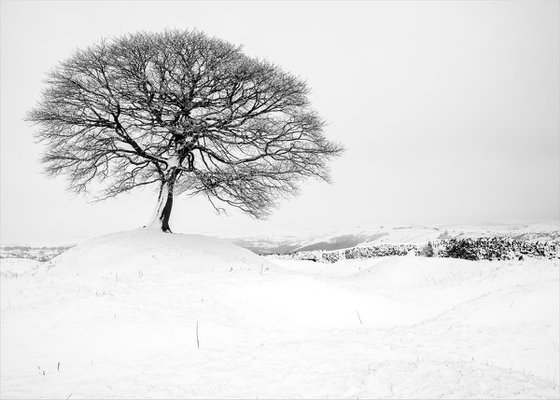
483 248
492 248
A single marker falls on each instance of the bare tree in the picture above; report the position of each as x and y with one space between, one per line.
185 111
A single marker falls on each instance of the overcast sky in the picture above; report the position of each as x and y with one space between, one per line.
449 110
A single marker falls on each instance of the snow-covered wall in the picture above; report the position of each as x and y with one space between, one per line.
482 248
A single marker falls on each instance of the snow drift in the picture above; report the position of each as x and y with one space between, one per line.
152 251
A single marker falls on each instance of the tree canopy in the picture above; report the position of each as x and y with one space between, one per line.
184 111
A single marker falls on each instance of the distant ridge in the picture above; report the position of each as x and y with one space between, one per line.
360 237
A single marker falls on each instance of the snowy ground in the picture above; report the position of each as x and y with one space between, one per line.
149 315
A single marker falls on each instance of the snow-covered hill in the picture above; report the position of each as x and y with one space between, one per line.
152 251
347 238
143 314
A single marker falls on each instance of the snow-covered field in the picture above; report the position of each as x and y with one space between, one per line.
148 315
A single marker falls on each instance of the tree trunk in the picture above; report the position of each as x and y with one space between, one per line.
160 218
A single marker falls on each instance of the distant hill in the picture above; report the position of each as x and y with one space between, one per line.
345 239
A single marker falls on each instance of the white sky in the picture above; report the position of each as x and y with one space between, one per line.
449 110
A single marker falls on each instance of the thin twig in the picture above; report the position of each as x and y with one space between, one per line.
197 341
358 314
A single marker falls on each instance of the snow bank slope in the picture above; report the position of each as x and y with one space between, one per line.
12 267
141 251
